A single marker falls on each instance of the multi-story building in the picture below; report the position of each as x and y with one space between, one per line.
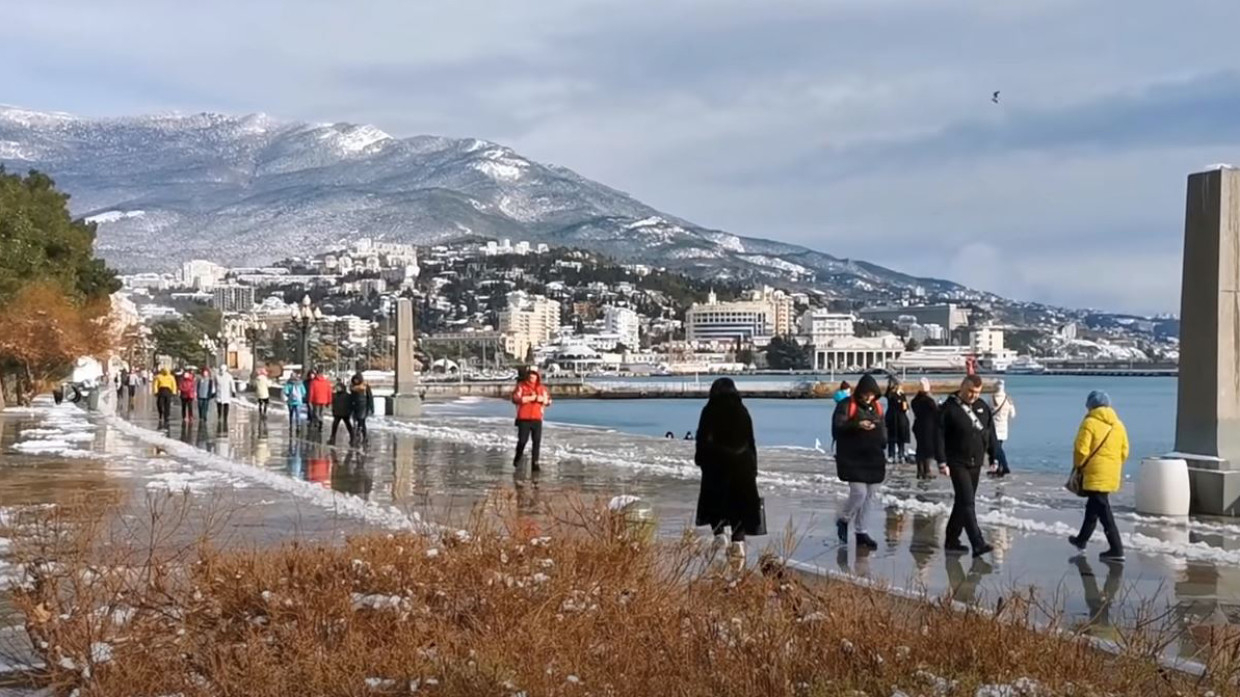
851 353
821 326
233 298
729 321
949 316
987 340
782 318
926 332
625 323
528 321
201 274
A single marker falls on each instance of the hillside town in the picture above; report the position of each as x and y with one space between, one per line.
484 306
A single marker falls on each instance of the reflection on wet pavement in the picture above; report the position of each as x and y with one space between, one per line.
442 467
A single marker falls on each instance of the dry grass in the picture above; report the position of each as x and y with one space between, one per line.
574 606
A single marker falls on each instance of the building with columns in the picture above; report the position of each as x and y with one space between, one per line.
848 353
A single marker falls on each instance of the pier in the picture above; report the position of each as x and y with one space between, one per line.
643 389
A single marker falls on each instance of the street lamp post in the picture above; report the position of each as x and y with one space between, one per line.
306 315
253 330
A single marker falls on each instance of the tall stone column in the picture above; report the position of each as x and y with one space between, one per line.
406 402
1207 428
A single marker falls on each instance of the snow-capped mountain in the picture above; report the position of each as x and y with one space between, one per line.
253 189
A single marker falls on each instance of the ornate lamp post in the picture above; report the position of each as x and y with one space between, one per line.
306 315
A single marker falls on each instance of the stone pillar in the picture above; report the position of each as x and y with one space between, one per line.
406 402
1207 429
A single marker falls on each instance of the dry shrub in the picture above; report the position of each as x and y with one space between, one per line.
574 603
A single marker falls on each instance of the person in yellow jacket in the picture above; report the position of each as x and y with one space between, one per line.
1100 451
164 386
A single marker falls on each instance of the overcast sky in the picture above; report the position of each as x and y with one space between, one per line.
863 128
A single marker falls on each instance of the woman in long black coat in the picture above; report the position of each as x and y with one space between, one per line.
898 428
926 430
728 458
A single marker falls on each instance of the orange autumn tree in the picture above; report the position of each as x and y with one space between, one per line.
42 333
54 292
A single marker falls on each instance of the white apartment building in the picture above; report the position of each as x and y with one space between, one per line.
926 332
823 325
987 341
529 320
625 323
729 321
781 305
201 274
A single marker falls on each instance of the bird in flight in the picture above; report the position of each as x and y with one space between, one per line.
995 97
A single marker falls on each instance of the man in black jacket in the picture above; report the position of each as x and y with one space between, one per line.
966 445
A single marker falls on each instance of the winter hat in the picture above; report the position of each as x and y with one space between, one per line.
925 385
1096 399
999 387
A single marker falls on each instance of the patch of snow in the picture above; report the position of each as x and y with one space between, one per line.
193 482
362 601
49 447
501 170
777 263
100 652
732 243
619 503
380 683
12 150
113 216
350 140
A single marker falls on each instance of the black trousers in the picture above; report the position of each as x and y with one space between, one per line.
964 514
262 407
1098 508
163 404
187 407
348 426
528 430
359 430
221 410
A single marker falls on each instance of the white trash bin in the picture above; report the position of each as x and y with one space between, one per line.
1162 487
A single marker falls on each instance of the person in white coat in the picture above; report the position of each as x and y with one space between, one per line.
1004 410
224 389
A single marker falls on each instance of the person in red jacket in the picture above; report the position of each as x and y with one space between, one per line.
185 388
531 398
319 397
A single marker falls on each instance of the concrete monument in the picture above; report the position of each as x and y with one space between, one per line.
406 402
1207 427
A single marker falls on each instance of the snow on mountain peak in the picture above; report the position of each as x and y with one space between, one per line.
31 118
350 139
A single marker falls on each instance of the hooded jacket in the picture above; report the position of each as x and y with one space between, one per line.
262 387
860 454
319 391
1103 436
164 381
187 386
531 411
294 393
964 440
725 451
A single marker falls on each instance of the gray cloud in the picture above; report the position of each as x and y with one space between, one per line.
857 127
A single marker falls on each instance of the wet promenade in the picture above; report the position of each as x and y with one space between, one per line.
287 484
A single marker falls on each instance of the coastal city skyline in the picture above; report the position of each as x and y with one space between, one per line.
778 122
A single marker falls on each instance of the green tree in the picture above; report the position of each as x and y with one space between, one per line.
912 345
46 255
784 353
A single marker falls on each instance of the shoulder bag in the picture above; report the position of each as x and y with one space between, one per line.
1076 480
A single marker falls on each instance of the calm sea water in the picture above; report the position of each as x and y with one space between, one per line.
1049 409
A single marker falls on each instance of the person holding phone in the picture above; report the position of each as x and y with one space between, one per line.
860 434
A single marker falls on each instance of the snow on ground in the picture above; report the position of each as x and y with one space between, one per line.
113 216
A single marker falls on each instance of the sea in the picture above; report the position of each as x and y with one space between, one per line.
1048 411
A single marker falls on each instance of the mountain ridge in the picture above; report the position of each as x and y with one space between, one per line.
253 188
